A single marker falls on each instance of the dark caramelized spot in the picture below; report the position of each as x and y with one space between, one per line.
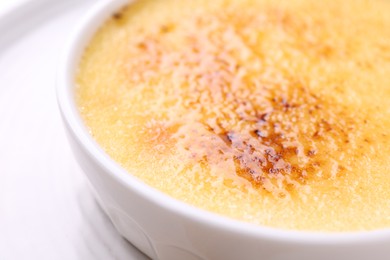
117 16
120 14
226 137
311 152
263 117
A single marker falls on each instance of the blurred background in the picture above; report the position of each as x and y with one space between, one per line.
47 210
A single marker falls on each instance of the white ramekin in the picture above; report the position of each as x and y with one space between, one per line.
164 228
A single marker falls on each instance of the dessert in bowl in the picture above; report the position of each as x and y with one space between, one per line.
231 129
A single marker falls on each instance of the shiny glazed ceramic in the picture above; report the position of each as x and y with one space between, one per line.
164 228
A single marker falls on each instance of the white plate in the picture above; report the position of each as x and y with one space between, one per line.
46 208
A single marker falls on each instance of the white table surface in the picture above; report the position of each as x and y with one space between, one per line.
47 210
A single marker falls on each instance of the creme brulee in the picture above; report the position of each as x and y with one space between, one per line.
271 112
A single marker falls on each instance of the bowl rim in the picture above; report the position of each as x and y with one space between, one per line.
77 42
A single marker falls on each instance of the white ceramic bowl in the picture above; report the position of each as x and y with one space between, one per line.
164 228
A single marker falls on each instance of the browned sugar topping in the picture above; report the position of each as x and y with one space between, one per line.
271 112
239 108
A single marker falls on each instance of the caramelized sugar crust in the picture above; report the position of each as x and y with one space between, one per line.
270 114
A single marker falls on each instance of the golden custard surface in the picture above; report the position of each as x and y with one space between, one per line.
271 112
